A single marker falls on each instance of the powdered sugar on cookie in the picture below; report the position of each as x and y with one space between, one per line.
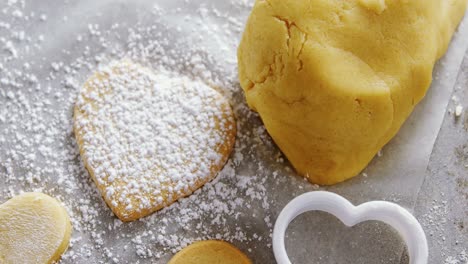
38 92
148 138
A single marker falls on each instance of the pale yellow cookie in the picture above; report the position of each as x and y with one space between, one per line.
34 228
210 252
149 139
334 80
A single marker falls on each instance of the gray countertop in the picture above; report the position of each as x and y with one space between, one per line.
442 204
48 48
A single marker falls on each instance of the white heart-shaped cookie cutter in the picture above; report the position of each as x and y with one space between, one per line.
392 214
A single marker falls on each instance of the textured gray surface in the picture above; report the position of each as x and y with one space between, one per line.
313 238
442 204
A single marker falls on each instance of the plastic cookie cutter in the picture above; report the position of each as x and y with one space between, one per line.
392 214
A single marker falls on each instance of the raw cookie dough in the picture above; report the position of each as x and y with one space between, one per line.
334 80
34 228
210 252
149 139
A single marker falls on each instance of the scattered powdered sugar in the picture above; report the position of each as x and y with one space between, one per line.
461 258
458 110
39 150
150 138
47 56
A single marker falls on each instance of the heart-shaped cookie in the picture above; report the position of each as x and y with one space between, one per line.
34 228
392 214
148 139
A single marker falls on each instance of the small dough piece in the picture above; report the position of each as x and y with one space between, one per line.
210 252
34 228
149 139
334 80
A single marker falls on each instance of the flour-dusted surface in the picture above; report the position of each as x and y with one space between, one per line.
442 203
149 139
48 49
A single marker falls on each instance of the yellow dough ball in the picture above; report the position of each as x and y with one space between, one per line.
333 80
210 252
34 228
